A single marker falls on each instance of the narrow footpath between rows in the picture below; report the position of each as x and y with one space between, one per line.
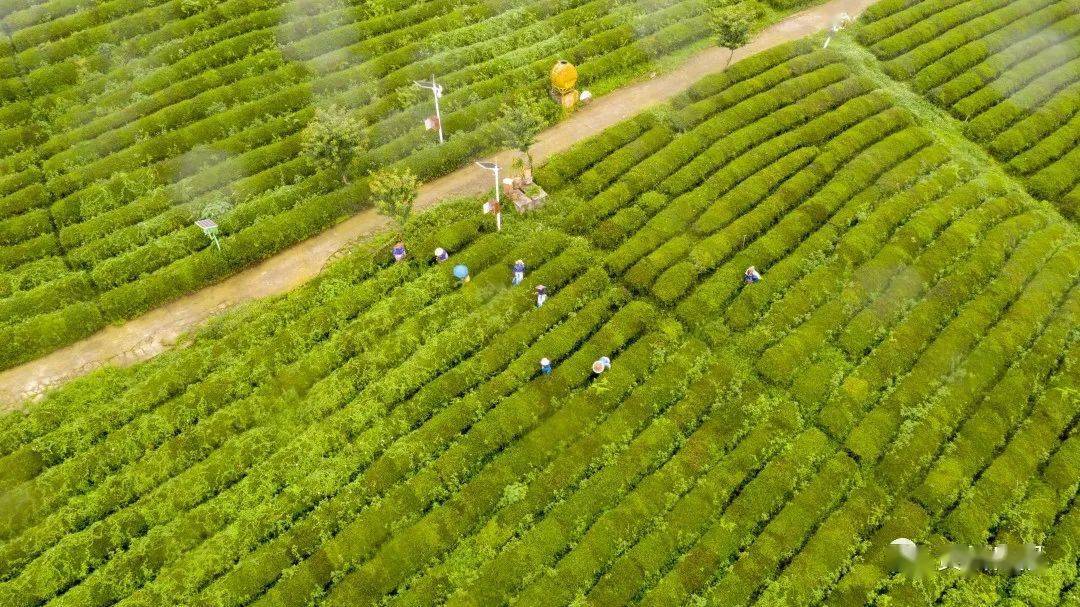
143 337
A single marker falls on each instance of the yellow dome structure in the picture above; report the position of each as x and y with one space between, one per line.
563 80
563 77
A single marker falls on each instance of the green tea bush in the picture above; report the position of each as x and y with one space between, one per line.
385 434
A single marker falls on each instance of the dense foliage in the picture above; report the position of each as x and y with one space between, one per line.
907 367
1010 69
121 119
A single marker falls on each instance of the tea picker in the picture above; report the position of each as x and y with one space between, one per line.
602 364
461 272
541 295
545 366
399 251
751 275
519 272
441 255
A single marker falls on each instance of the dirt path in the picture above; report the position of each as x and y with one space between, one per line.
155 331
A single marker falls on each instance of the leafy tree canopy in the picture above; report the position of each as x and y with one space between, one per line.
393 192
334 139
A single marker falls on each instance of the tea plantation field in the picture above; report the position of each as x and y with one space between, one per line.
1010 70
908 366
122 122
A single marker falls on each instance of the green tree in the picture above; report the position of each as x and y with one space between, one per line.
521 120
334 139
731 25
393 192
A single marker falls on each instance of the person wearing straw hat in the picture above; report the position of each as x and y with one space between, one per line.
541 295
441 255
519 272
399 251
751 275
545 366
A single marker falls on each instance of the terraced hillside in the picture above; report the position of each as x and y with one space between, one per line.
907 367
122 122
1009 69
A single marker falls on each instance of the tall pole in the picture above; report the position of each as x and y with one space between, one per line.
435 89
498 213
436 92
494 168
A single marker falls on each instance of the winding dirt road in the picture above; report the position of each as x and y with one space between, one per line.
157 330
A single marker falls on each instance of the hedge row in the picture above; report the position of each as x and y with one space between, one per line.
778 239
745 69
158 249
562 167
1046 150
393 311
923 431
909 281
956 338
478 374
1009 402
647 558
223 337
672 382
922 322
791 526
852 133
528 410
1058 178
735 151
660 169
159 387
429 439
907 65
995 51
993 109
406 346
1009 473
886 18
1047 497
967 82
132 566
944 15
761 501
860 583
889 202
384 572
697 463
354 429
824 302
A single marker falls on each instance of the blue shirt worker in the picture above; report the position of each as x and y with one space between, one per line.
752 275
519 272
461 272
399 251
441 255
541 295
545 366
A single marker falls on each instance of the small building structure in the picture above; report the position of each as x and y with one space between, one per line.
525 196
564 77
